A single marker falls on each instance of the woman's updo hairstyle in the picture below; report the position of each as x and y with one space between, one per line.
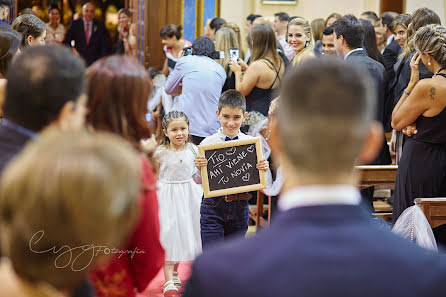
203 46
171 30
431 39
28 25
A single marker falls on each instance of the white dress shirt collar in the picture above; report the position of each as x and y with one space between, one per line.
352 51
389 40
314 195
223 136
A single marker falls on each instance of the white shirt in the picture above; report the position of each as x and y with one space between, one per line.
352 51
313 195
389 40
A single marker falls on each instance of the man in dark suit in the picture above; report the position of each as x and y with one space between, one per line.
393 49
45 89
349 36
87 36
321 242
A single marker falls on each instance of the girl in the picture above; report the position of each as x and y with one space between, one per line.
298 33
179 198
33 30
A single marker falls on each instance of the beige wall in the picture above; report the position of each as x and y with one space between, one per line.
237 10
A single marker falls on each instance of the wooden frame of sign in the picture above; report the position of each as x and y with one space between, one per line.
232 165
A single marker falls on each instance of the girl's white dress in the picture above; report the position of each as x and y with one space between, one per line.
179 199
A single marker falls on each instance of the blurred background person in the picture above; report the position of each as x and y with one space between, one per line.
332 18
55 31
237 32
280 23
265 71
173 46
215 25
118 90
300 39
126 36
369 43
42 246
4 12
392 49
226 39
202 80
9 46
249 19
32 29
317 25
328 47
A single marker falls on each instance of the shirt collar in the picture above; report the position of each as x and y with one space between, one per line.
223 136
390 38
352 51
19 129
313 195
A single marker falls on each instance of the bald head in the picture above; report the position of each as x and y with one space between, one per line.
88 11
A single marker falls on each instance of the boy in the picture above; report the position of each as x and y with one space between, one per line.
223 216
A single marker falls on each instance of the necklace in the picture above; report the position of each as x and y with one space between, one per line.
439 70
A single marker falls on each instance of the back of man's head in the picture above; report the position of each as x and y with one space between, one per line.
282 16
326 107
351 29
40 81
370 16
388 17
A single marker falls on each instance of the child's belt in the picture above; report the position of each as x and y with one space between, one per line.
237 197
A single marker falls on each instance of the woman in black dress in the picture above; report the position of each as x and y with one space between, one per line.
422 168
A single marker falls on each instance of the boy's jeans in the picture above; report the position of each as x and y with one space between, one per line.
220 219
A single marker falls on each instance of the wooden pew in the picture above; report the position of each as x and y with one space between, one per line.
256 211
381 177
434 209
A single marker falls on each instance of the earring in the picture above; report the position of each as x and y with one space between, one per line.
429 63
307 43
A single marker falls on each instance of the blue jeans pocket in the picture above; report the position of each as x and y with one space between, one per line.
209 202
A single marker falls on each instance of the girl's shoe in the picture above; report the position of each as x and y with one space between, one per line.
170 289
176 280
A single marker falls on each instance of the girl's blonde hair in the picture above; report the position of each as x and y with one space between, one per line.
431 39
82 191
236 29
225 39
420 18
172 116
301 22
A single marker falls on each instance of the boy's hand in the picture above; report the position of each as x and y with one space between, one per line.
200 161
263 165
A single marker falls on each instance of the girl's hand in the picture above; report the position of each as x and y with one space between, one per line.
263 165
410 130
242 64
235 67
200 161
414 74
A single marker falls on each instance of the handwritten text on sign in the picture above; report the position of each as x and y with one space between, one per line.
232 167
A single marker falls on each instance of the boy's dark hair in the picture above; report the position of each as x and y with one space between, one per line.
40 81
351 29
283 16
203 46
252 17
371 15
327 31
217 23
170 30
232 98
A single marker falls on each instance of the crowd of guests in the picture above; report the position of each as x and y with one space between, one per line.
93 204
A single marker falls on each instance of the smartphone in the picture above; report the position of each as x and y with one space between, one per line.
187 51
233 54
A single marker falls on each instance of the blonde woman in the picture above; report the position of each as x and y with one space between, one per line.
300 39
225 39
264 73
236 29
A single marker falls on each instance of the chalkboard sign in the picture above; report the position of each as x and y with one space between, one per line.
231 167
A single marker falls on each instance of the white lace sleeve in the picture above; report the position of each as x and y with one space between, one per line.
157 155
196 176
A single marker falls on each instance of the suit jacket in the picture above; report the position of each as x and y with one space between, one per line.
96 48
11 143
390 55
379 76
319 251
